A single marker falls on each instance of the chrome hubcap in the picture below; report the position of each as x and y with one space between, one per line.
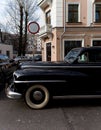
37 95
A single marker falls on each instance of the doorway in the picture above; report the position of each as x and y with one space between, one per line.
48 52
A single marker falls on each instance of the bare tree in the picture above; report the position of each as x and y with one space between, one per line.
20 13
30 8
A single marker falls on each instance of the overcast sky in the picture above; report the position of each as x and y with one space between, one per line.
3 15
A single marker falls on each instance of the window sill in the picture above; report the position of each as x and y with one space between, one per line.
97 23
78 23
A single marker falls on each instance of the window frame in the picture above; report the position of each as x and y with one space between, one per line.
48 17
71 40
97 3
67 11
95 40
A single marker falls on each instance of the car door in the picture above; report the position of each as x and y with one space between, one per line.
87 72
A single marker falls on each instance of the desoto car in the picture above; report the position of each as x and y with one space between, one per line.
79 75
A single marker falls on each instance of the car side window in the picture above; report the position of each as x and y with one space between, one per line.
98 57
90 57
83 58
95 56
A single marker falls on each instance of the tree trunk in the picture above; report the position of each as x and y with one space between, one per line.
25 38
21 31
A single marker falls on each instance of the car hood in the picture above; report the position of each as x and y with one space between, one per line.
42 64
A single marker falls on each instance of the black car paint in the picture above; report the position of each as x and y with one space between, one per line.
59 69
61 78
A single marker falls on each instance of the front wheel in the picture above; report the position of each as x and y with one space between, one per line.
37 97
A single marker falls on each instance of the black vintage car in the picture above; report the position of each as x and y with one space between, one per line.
79 75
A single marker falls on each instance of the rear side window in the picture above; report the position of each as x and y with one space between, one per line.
95 56
84 58
91 56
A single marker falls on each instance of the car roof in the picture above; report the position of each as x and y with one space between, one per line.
3 55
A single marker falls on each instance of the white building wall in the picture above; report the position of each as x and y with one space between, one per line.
57 13
90 11
42 18
53 14
4 48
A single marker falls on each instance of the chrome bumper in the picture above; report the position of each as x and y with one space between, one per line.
11 94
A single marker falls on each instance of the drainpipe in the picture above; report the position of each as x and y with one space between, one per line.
0 35
61 47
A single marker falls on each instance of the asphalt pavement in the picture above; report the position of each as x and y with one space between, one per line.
61 114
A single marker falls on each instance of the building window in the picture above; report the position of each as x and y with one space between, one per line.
73 13
48 17
98 13
48 52
8 53
97 43
68 45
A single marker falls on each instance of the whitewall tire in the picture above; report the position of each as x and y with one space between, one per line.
37 96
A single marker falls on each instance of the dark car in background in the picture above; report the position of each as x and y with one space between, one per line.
23 59
7 67
37 57
79 75
4 60
20 59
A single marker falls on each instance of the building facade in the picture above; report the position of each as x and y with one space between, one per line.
68 24
34 45
5 44
6 49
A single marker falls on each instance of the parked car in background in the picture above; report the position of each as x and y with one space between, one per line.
7 67
37 57
5 61
79 75
20 59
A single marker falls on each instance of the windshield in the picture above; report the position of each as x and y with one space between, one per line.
72 55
